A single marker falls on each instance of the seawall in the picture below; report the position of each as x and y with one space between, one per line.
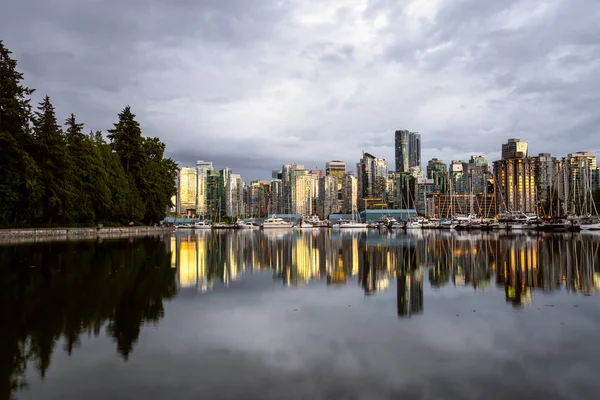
43 234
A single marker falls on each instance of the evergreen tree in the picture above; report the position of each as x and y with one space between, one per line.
126 141
124 202
19 175
159 178
48 176
52 156
90 176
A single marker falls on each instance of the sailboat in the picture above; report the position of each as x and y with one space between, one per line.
354 223
590 222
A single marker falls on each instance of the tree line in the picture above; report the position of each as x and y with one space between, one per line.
54 174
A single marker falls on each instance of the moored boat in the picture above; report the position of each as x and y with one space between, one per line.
202 225
275 222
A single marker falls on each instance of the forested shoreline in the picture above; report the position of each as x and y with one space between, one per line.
54 174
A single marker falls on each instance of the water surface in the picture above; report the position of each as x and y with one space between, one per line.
302 315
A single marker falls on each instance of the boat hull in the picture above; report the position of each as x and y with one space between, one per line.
277 226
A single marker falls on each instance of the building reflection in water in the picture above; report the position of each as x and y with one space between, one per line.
519 264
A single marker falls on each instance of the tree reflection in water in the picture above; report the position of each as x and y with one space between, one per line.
59 291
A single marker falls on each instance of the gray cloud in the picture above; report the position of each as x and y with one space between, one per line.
254 84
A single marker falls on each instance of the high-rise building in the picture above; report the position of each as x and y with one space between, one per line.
475 176
438 171
514 177
336 169
203 168
349 193
287 172
187 185
580 171
514 148
234 196
414 150
407 150
328 196
548 183
372 180
214 195
302 188
425 188
225 173
276 203
455 174
255 198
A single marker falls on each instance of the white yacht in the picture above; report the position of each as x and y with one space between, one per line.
275 222
183 226
202 225
590 224
247 225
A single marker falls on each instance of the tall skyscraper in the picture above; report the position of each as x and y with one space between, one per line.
414 150
372 179
234 196
187 184
514 177
287 172
407 150
301 193
349 193
214 195
203 168
328 196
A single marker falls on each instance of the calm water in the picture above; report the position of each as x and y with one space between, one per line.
302 315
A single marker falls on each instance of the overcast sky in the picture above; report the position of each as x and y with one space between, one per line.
253 84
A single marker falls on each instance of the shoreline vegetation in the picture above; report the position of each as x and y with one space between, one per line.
54 175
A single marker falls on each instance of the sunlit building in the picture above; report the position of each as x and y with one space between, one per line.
287 173
514 177
372 181
187 184
301 187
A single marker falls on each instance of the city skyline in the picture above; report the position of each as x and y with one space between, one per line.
519 181
260 84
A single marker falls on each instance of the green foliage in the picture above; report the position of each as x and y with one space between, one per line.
53 177
19 175
54 160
